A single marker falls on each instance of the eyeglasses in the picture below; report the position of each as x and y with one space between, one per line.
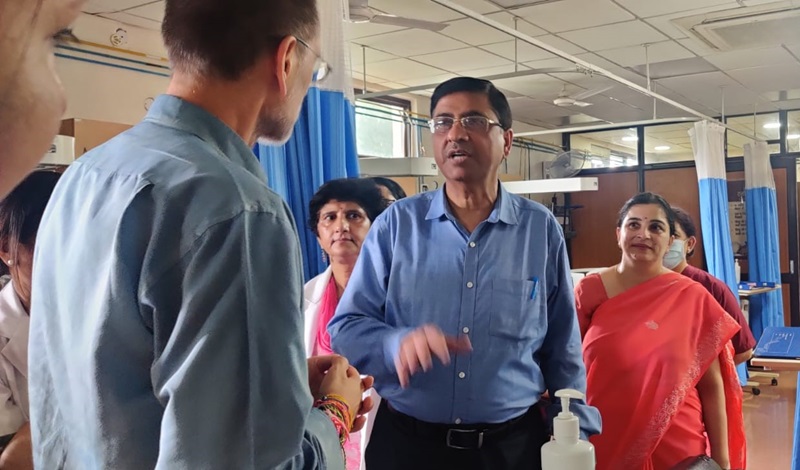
443 124
321 68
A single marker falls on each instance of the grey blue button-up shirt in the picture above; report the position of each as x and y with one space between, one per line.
166 319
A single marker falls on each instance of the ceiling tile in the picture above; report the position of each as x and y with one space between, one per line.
409 43
541 87
614 36
151 11
400 69
112 6
568 15
357 54
769 78
523 51
488 72
417 9
474 33
707 89
358 76
133 20
462 59
675 68
361 30
751 58
434 79
480 6
556 62
664 22
697 47
604 63
522 26
561 44
657 52
648 8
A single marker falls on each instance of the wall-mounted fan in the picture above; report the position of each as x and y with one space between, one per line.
361 12
566 164
564 99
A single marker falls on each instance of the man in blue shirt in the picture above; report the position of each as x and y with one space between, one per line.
468 271
167 295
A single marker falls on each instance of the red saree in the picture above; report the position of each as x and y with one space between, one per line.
645 351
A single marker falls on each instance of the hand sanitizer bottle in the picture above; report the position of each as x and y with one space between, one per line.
566 451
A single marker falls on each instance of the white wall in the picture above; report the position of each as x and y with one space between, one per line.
107 92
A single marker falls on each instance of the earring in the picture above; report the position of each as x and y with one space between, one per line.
324 256
10 262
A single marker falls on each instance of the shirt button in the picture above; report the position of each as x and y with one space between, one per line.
461 375
470 284
472 244
458 421
465 330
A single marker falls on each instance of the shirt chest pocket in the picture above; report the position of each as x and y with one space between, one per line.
516 309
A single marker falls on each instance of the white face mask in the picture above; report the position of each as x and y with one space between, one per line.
675 255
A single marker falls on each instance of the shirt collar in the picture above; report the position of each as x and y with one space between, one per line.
503 211
177 113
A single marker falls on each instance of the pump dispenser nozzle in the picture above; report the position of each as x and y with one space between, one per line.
566 427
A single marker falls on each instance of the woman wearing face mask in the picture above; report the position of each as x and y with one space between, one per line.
675 259
342 212
658 355
20 214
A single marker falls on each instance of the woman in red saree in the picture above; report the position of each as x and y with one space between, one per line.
658 355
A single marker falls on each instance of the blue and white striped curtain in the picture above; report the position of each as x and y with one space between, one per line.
763 253
708 143
323 145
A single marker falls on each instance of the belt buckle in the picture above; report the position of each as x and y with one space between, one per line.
451 431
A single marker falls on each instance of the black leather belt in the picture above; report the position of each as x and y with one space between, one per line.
467 437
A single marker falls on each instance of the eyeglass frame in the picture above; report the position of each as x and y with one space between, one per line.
320 64
489 123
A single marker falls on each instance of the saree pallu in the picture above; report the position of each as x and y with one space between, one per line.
645 351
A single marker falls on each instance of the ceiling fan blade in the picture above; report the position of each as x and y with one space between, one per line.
408 22
590 93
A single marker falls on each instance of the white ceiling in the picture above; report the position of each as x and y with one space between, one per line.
607 33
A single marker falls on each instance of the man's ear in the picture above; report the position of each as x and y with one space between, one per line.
284 62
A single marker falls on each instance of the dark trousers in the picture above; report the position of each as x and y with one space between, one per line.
400 442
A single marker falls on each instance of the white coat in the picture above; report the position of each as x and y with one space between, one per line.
313 292
14 324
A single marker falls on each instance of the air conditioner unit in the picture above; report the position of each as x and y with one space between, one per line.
62 151
412 166
770 24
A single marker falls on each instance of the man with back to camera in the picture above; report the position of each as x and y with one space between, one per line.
478 278
167 312
682 248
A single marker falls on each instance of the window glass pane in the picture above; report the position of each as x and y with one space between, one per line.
380 130
607 149
793 132
668 143
765 126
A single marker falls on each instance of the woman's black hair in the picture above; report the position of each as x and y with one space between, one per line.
644 199
21 211
391 185
363 192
